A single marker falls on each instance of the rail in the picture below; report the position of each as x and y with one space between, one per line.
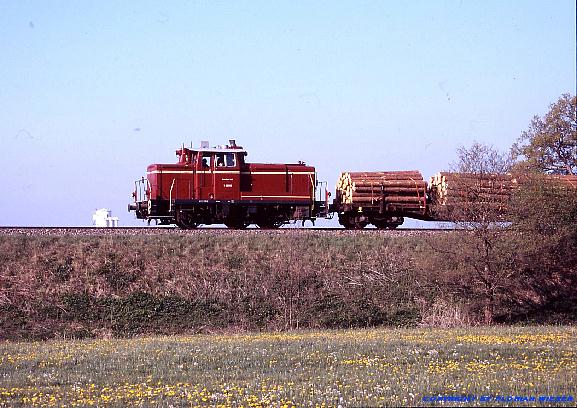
65 230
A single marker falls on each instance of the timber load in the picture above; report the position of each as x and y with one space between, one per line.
562 181
490 190
403 191
446 188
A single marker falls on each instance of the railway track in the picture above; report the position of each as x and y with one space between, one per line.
155 230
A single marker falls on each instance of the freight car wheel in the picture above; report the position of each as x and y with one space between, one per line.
186 225
390 226
350 221
388 223
397 221
385 225
345 221
360 223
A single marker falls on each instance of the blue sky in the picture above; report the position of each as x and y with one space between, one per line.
93 92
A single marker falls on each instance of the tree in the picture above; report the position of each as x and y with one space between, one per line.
475 165
481 159
543 210
544 226
550 143
476 263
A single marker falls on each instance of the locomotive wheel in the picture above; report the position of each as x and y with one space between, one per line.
186 225
236 224
270 224
185 221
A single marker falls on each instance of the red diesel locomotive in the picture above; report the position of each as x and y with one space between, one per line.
217 186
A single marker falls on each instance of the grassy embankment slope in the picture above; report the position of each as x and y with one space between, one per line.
206 281
86 286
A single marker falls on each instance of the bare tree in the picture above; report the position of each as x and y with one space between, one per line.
478 261
481 159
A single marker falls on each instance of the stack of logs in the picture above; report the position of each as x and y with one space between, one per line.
457 189
568 181
393 189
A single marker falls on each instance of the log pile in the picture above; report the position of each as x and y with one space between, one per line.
562 181
457 189
394 190
447 188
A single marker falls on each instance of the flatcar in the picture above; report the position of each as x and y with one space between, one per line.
216 185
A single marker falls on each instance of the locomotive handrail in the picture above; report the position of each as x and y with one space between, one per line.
139 185
313 189
170 196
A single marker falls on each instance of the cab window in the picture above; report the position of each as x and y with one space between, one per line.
225 160
230 160
204 160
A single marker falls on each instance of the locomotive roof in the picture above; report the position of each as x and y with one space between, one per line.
219 150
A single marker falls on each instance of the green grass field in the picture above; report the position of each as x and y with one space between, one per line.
326 368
